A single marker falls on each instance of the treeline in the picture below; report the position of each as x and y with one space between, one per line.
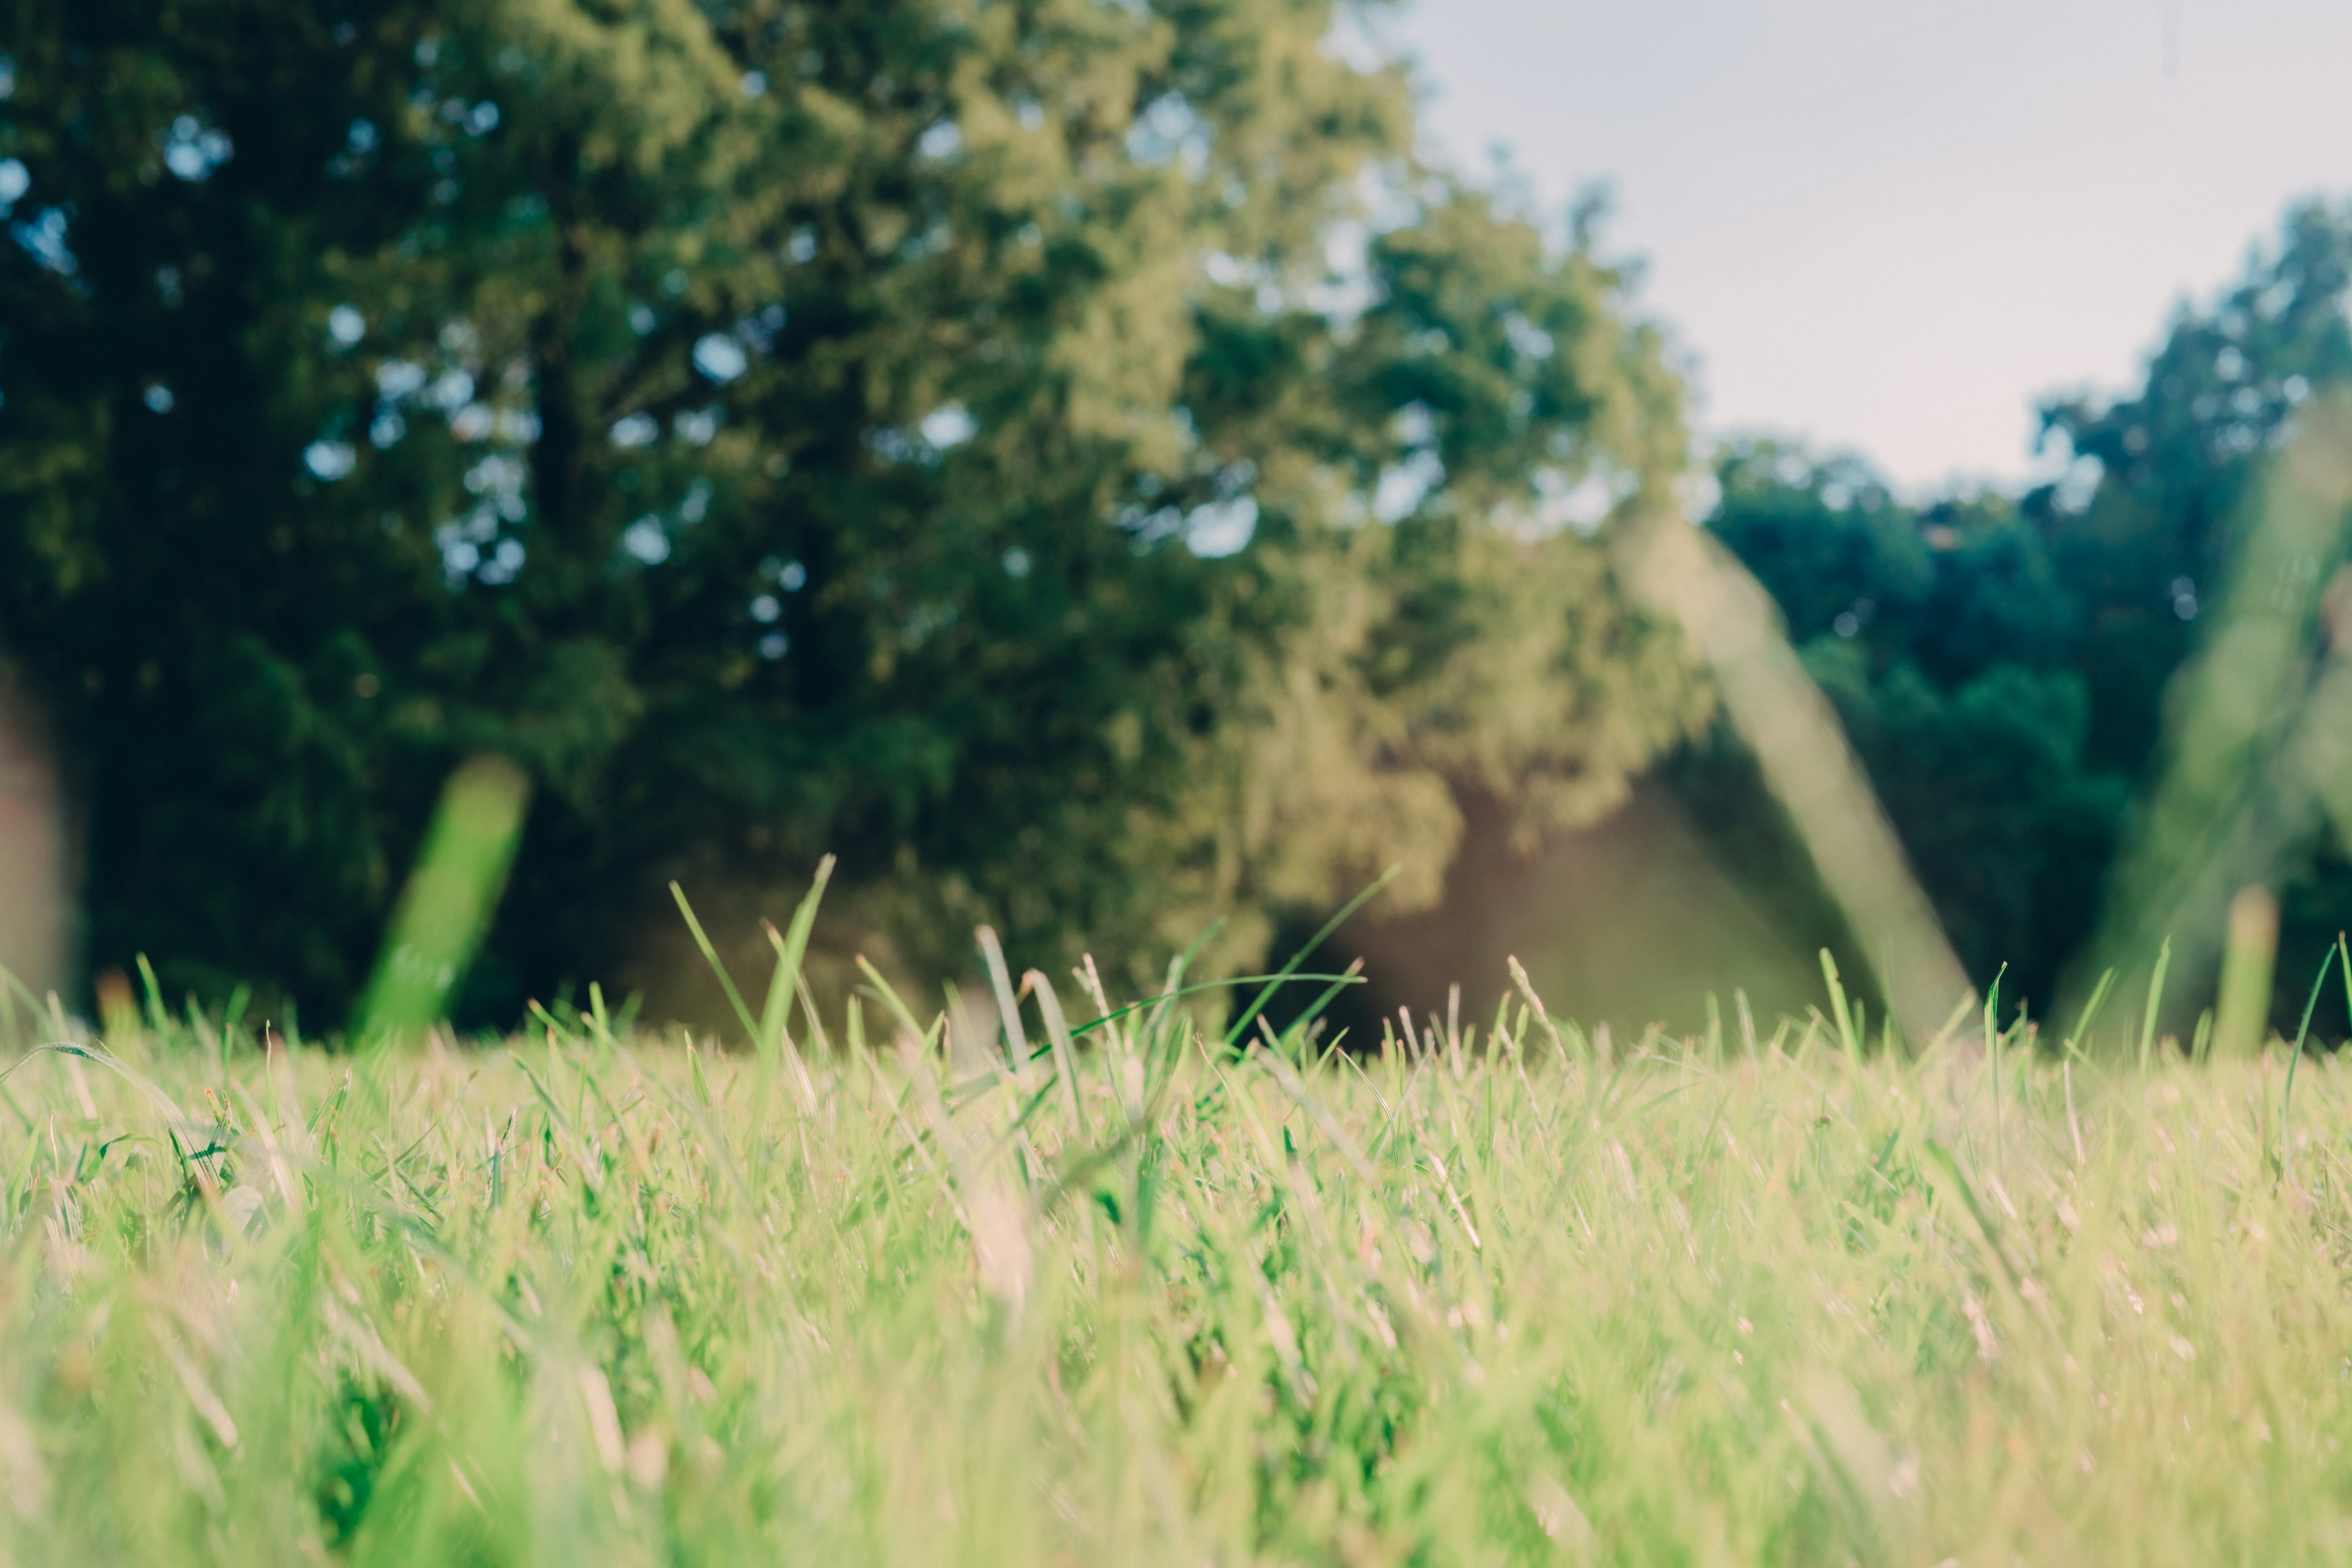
1070 458
2002 661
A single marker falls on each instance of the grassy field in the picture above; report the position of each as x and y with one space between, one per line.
1494 1297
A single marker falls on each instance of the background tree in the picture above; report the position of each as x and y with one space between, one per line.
2001 663
1071 459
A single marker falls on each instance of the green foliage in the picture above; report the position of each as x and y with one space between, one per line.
1070 458
1946 642
2174 464
2002 662
589 1298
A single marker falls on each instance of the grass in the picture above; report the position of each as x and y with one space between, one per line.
581 1298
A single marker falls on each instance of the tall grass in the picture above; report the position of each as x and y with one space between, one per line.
1131 1294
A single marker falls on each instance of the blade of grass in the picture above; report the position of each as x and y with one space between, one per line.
1992 1052
2302 1030
2155 1001
1241 1025
445 910
1297 1027
711 956
1117 1013
1845 1015
1000 981
2083 1020
1057 1032
792 947
775 1038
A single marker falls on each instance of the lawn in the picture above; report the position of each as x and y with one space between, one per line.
1494 1295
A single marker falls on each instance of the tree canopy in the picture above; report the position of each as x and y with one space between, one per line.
1070 458
2002 661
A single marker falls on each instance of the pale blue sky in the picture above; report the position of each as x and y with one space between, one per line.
1890 225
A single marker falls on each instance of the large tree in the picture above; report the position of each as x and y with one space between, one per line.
1069 458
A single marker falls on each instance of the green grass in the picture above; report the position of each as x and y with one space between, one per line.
576 1299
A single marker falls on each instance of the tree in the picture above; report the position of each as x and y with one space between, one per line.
1068 459
2153 546
1943 638
2171 465
2002 662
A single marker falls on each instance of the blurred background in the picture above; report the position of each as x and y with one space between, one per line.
1694 484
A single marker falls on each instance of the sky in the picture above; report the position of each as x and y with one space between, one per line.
1890 226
